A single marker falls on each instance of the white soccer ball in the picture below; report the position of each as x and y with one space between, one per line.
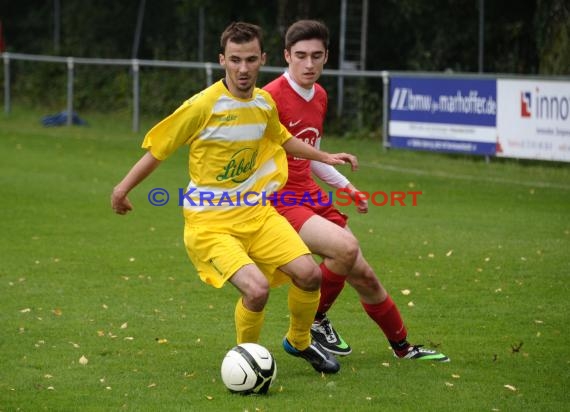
248 368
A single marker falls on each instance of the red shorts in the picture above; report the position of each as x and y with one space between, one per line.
297 215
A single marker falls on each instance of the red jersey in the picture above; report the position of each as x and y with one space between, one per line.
304 120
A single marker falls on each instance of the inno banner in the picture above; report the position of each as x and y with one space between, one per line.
533 119
443 114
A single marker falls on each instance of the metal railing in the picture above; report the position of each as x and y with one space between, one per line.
136 64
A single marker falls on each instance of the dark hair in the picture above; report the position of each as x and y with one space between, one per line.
241 32
306 30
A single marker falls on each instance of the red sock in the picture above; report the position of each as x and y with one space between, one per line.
387 316
331 286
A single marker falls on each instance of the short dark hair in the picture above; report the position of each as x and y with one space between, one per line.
306 30
241 32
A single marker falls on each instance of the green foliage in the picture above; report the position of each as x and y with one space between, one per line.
484 256
38 85
523 36
553 37
163 90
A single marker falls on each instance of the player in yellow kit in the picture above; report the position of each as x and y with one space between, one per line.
236 146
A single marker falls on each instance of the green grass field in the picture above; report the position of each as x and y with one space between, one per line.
484 256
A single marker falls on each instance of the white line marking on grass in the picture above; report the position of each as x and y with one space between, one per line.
419 172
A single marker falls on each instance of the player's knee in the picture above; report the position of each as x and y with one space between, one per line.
256 296
347 254
311 278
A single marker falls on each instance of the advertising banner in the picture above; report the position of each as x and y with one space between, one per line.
533 119
443 114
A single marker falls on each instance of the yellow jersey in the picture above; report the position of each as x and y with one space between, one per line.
236 159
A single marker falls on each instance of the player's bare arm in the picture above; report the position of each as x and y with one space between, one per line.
298 148
145 166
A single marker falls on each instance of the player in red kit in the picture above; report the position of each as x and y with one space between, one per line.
302 106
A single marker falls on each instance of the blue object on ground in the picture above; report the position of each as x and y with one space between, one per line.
60 119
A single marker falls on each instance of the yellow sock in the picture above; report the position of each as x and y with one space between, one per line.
248 323
302 307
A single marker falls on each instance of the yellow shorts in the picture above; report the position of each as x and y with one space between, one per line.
268 241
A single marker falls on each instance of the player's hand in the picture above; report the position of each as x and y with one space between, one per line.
360 199
341 159
120 202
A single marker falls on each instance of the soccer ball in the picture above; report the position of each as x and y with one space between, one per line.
248 368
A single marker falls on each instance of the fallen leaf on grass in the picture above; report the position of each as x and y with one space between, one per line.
209 397
406 292
511 388
455 376
386 364
161 341
83 360
26 310
57 312
449 253
152 385
411 304
448 384
124 325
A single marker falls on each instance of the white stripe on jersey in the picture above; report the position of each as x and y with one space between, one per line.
225 103
234 133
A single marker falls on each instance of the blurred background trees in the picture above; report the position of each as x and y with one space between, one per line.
520 37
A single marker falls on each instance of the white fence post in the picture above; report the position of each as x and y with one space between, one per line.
136 95
385 103
6 83
70 76
209 74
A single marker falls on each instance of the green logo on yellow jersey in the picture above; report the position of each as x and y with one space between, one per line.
240 165
228 118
